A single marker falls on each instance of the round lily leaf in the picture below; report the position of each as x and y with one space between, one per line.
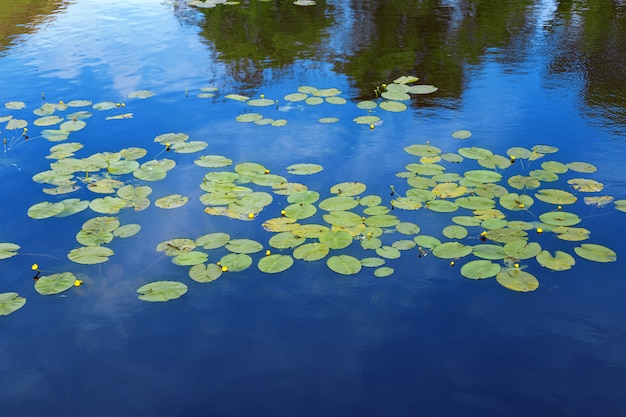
545 176
171 201
480 269
554 196
294 97
517 280
309 230
244 246
520 249
461 134
395 95
382 220
348 189
388 252
128 230
489 251
101 224
475 153
572 234
108 205
406 203
597 253
45 210
311 252
344 264
142 94
468 221
48 121
422 150
516 202
560 218
554 166
55 284
159 291
455 232
561 261
371 242
407 228
190 258
427 241
393 106
236 262
261 102
585 185
189 147
338 203
205 273
343 219
449 190
441 206
8 250
72 125
422 89
10 302
372 262
366 120
482 176
475 203
213 161
328 120
285 240
383 271
304 197
15 124
213 240
15 105
403 244
300 211
521 182
451 250
89 255
336 239
122 167
583 167
304 169
314 101
273 264
91 238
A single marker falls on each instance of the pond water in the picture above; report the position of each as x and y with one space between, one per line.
309 340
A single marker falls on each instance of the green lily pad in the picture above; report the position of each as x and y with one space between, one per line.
560 218
422 150
338 203
516 202
403 244
273 264
108 205
348 189
45 210
311 252
480 269
475 153
366 120
572 234
285 240
521 249
599 201
244 246
344 264
372 262
554 166
451 250
489 251
388 252
48 121
554 196
545 176
300 211
521 182
620 205
461 134
171 201
126 231
517 280
213 240
585 185
427 241
190 258
10 302
468 221
261 102
304 169
101 224
7 250
89 255
205 273
583 167
596 253
55 284
189 147
561 261
383 271
475 203
236 262
160 291
483 176
213 161
91 238
336 239
382 220
407 228
15 105
422 89
142 94
455 232
406 203
441 206
72 125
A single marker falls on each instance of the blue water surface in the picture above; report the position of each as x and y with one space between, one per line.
309 342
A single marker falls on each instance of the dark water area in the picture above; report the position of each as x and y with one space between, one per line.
423 341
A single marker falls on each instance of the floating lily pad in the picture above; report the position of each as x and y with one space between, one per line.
348 189
388 252
483 176
598 201
189 147
521 249
205 273
554 166
127 230
427 241
455 232
14 124
407 228
344 264
276 263
560 218
585 185
304 169
300 211
441 206
244 246
383 272
141 94
451 250
171 201
561 261
311 252
366 120
72 125
90 255
521 182
160 291
422 89
7 250
55 284
107 205
10 302
171 138
336 239
15 105
475 203
475 153
461 134
213 161
45 210
236 262
489 251
583 167
285 240
516 202
48 121
517 280
480 269
190 258
554 196
596 253
93 238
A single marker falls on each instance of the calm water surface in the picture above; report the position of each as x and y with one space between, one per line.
422 342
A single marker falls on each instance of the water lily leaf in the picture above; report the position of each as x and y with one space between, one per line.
554 166
427 241
572 234
336 100
495 161
190 258
177 246
452 157
403 244
72 125
468 221
10 302
451 250
285 240
107 205
560 218
421 182
160 291
620 205
455 232
150 173
425 169
213 161
505 235
213 240
336 239
343 219
311 252
14 124
489 251
599 201
441 206
237 97
554 196
407 228
236 262
382 220
45 210
304 169
314 101
244 246
405 203
519 152
392 106
304 197
480 269
309 230
48 121
344 264
422 89
516 202
585 185
90 255
273 264
140 94
7 250
475 153
366 120
300 211
339 203
395 95
371 242
205 273
475 203
189 147
388 252
521 182
328 120
520 249
55 284
561 261
171 201
93 238
269 180
295 97
517 280
493 223
261 102
488 214
372 262
490 190
596 253
15 105
127 230
348 189
171 138
422 150
545 176
383 272
483 176
449 190
104 105
545 149
461 134
583 167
